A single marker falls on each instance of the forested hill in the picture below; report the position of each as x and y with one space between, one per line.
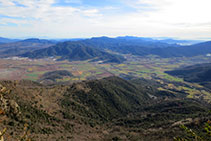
74 51
195 73
103 109
200 73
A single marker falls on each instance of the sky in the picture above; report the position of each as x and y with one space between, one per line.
182 19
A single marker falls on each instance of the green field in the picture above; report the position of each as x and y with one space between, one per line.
148 68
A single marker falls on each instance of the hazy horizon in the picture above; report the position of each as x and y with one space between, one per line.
181 19
72 38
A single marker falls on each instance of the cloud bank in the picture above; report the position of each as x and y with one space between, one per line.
188 19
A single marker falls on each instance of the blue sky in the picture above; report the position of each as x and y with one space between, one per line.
185 19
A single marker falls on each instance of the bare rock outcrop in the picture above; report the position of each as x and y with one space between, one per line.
8 106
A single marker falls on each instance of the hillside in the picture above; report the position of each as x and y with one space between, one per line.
107 98
106 109
197 73
7 40
54 76
74 51
20 47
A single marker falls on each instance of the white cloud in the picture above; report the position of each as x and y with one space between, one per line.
92 13
178 18
73 1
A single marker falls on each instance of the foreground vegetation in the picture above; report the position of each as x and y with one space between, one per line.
107 109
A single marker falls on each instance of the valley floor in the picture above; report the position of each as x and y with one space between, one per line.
150 67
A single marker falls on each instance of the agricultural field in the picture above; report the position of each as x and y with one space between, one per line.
150 67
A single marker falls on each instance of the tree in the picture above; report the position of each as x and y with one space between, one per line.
193 136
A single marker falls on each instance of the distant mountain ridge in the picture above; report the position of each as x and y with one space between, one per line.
184 51
37 40
139 46
145 46
113 43
20 47
180 42
74 51
7 40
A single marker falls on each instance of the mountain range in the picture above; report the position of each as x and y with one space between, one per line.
20 47
136 46
7 40
144 47
74 51
125 45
